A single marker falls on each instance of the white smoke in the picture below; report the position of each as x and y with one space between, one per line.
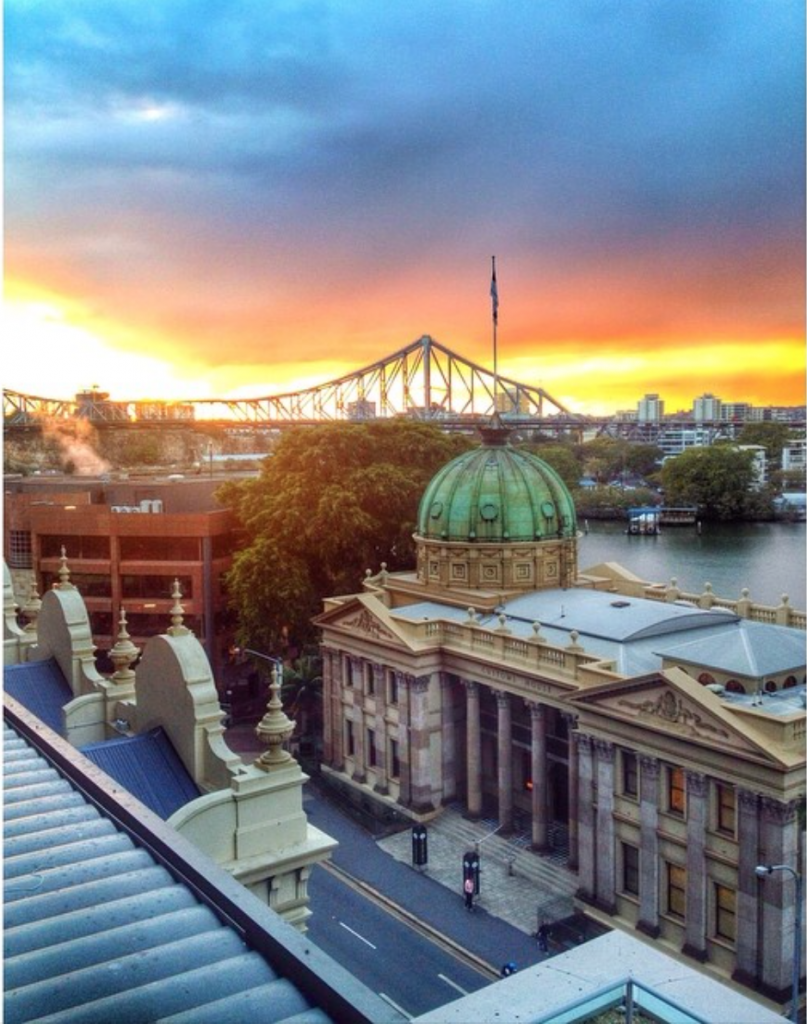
75 439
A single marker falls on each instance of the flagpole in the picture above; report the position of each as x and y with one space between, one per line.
494 296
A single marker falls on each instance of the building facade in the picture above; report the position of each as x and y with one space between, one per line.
655 738
127 542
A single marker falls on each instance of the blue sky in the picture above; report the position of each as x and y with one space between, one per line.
256 193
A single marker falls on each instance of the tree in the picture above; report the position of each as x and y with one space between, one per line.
330 503
717 479
772 436
562 459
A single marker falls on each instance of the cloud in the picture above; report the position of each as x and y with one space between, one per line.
252 171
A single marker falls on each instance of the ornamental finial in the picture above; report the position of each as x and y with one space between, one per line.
177 627
64 573
274 729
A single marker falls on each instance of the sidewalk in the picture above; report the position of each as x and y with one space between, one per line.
503 923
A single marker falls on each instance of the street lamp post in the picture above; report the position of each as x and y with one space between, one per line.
762 871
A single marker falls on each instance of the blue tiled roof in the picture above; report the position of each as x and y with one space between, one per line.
41 688
149 768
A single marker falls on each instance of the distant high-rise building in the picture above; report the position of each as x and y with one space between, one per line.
650 409
706 409
736 412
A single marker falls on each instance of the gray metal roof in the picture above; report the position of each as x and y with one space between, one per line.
149 767
749 649
636 633
111 915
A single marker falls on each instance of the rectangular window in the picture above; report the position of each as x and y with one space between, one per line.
726 809
392 687
372 761
348 673
394 760
676 791
19 550
369 679
76 547
676 891
725 913
630 869
630 774
350 742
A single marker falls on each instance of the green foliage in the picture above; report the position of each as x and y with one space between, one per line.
611 502
717 479
562 459
606 458
772 436
332 502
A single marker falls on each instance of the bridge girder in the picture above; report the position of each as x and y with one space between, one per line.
424 379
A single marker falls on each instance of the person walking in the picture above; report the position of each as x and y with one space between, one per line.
468 888
542 935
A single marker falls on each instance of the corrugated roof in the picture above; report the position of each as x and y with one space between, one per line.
149 768
111 915
40 687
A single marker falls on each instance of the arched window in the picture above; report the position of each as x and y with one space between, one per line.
790 681
732 686
770 686
706 679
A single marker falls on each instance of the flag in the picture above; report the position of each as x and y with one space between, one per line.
494 293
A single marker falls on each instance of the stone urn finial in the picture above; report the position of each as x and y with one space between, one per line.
64 573
274 729
123 654
32 607
177 627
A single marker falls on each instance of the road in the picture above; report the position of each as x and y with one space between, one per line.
394 957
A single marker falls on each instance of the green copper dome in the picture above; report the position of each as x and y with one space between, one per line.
496 493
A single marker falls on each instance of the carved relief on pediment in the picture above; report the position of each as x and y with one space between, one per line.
364 622
677 715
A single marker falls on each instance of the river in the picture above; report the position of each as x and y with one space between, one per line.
768 558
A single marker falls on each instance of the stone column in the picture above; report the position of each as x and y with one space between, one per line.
449 730
778 845
337 712
380 729
648 847
403 739
505 759
359 756
420 746
587 840
474 750
695 940
746 970
539 781
574 794
327 709
605 826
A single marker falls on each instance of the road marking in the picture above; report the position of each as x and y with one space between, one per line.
453 984
349 929
395 1006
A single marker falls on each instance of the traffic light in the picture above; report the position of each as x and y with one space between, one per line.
420 846
470 869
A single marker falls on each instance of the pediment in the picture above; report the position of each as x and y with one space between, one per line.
673 703
363 615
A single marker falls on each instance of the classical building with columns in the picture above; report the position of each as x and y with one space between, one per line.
654 738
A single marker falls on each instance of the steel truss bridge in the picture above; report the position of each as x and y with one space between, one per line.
424 380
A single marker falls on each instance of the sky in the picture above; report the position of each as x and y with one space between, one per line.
209 200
